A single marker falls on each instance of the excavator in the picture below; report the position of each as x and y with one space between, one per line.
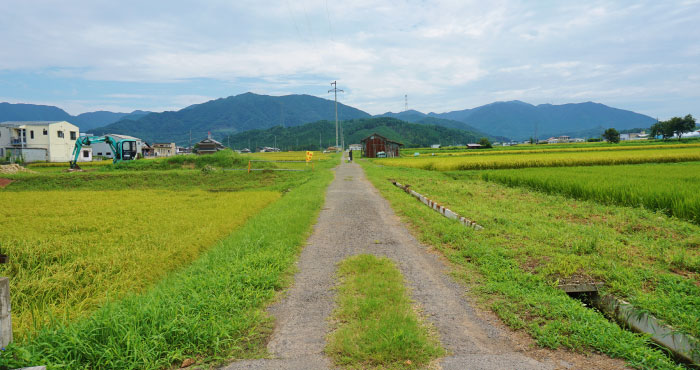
124 150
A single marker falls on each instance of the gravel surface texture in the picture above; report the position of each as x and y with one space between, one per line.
354 220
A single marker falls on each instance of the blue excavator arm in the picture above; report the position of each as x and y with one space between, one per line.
117 148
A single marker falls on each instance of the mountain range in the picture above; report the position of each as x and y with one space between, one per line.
519 121
235 114
86 121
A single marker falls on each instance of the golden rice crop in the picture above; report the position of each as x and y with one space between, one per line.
591 147
70 251
289 156
547 159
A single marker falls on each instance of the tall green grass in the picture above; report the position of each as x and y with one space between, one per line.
378 327
210 310
671 188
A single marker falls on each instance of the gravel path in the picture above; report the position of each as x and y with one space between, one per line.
356 219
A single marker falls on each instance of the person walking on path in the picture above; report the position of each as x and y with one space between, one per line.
350 155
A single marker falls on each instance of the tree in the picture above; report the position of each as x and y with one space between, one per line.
611 135
662 128
682 125
485 142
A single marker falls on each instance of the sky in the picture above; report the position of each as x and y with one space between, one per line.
447 55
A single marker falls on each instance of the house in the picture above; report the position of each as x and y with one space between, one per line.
164 149
51 141
435 146
634 136
182 150
355 147
209 146
375 143
104 150
473 146
146 150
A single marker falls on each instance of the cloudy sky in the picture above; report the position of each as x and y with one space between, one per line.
446 55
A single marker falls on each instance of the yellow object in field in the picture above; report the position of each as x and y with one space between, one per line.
309 155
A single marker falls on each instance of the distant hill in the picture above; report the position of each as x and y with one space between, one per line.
307 137
85 121
518 120
419 117
230 115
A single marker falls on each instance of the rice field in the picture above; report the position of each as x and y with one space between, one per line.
288 156
564 148
498 160
670 188
70 251
532 241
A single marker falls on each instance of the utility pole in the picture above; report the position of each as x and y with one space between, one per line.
335 92
320 144
406 108
190 139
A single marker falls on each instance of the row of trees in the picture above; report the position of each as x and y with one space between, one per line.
666 129
675 126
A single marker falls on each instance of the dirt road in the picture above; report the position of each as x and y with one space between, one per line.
356 219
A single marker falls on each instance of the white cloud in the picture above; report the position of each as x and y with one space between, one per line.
446 54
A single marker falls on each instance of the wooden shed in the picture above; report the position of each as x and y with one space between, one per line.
375 143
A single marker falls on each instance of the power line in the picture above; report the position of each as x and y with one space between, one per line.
335 90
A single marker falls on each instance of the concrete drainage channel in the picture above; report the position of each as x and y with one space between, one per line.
684 346
437 207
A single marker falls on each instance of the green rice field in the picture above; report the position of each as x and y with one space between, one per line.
670 188
507 159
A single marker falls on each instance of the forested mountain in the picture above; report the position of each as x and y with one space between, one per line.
321 134
230 115
86 121
518 120
514 119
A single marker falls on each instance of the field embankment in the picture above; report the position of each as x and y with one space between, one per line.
531 241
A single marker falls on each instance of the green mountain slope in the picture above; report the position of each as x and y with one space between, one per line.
229 115
321 134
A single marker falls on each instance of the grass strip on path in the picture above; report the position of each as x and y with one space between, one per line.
211 310
377 325
530 240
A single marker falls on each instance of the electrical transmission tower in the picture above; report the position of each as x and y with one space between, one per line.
335 90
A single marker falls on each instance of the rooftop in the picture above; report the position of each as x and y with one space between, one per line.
27 123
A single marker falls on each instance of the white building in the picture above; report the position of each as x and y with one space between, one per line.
105 151
51 141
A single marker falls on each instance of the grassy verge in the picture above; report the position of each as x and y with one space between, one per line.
671 188
533 240
378 327
211 310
